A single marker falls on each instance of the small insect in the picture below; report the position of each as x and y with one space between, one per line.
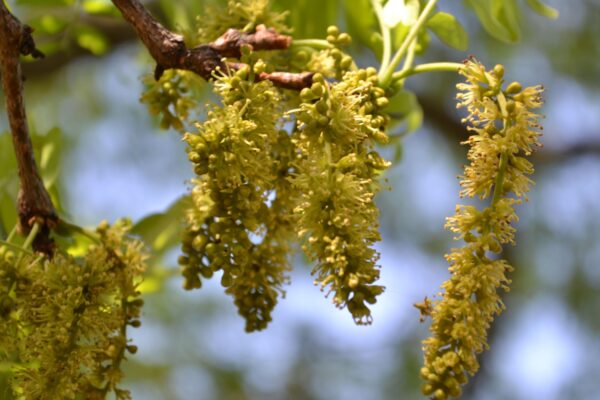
425 307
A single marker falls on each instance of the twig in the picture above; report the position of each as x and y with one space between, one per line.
34 204
170 52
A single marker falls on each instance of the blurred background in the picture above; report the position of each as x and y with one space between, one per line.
105 158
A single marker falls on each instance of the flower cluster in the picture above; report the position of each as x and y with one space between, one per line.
505 129
238 221
333 62
171 98
64 320
337 171
244 15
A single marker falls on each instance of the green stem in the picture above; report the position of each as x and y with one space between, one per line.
499 182
12 234
385 34
15 247
66 229
410 57
429 67
32 234
314 43
386 76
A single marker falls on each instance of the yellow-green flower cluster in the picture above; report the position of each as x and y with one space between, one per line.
171 98
337 178
505 129
64 320
333 62
244 15
238 222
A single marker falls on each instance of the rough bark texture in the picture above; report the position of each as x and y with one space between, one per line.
169 50
34 204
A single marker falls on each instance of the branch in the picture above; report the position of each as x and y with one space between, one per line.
170 52
34 204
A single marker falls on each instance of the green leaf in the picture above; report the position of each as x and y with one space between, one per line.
361 21
499 18
543 9
91 39
507 12
162 231
406 113
447 28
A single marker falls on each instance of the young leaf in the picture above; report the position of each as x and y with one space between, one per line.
361 20
543 9
406 113
447 28
498 18
162 231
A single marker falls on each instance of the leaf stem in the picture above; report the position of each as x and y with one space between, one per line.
314 43
15 247
12 234
385 34
32 234
429 67
385 77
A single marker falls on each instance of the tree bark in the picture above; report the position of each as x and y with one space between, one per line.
34 204
170 52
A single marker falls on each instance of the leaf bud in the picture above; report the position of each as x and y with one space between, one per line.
321 107
499 71
136 323
333 30
306 94
514 88
317 89
382 102
346 62
132 348
344 39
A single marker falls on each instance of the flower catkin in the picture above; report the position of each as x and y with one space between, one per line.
64 320
238 223
337 177
505 130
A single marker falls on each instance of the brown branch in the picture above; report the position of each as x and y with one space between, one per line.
34 204
286 80
169 50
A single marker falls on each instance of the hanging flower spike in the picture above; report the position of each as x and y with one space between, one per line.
337 178
505 129
230 226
